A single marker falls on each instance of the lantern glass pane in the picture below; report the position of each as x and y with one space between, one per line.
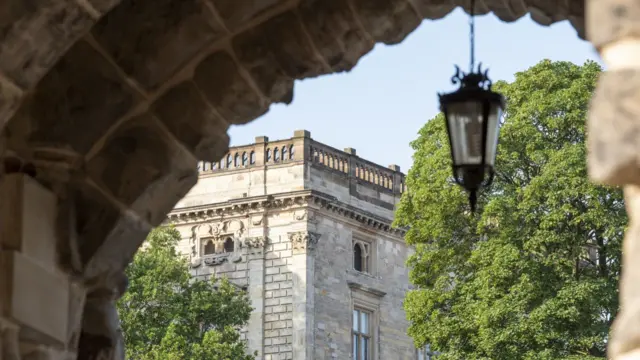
465 124
493 129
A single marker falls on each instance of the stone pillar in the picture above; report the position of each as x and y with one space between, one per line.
101 337
259 171
302 266
253 248
41 302
300 140
613 26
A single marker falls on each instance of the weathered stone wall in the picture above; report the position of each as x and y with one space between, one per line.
263 262
335 282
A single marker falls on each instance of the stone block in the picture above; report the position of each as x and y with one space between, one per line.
612 126
35 36
74 104
387 21
153 40
335 32
219 79
193 121
28 221
34 297
611 20
10 97
255 54
236 14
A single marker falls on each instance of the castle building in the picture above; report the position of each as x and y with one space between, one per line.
307 230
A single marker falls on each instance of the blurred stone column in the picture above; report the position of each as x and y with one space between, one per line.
613 27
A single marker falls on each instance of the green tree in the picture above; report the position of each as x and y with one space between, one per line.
534 274
167 315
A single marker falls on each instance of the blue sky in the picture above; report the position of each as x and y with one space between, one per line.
380 105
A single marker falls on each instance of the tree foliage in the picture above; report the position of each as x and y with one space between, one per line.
534 274
168 315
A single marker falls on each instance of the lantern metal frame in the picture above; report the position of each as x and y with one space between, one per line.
474 86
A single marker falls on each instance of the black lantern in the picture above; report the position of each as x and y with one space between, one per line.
472 114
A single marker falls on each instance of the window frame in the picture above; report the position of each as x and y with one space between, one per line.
357 335
368 302
368 251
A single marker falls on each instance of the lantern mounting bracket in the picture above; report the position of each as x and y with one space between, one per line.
473 80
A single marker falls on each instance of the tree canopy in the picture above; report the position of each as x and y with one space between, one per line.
168 315
534 273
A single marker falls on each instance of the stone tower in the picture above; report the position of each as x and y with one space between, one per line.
306 229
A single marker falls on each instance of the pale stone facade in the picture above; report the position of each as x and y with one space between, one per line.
284 225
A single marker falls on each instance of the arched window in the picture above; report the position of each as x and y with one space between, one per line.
268 155
245 158
214 166
228 245
284 153
276 155
209 248
357 257
252 158
229 161
361 258
236 160
291 151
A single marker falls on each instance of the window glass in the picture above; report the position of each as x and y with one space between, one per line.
355 320
364 323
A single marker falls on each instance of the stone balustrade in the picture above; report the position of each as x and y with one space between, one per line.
273 153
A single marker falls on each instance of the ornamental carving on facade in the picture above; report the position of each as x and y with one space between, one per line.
303 240
254 242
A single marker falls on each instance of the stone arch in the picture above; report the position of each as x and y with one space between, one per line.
127 111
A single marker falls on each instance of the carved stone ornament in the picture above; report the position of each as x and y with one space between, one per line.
214 260
253 242
303 240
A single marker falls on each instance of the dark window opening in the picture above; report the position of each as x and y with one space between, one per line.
357 257
228 245
252 158
209 248
244 159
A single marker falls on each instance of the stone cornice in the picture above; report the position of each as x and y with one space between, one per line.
283 201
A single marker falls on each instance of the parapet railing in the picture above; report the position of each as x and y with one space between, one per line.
244 157
353 166
318 154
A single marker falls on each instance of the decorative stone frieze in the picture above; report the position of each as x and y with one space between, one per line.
303 240
301 203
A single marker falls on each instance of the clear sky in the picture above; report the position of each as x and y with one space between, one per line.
380 105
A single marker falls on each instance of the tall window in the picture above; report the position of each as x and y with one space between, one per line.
361 335
268 155
236 161
276 154
252 158
291 151
229 161
284 153
245 159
